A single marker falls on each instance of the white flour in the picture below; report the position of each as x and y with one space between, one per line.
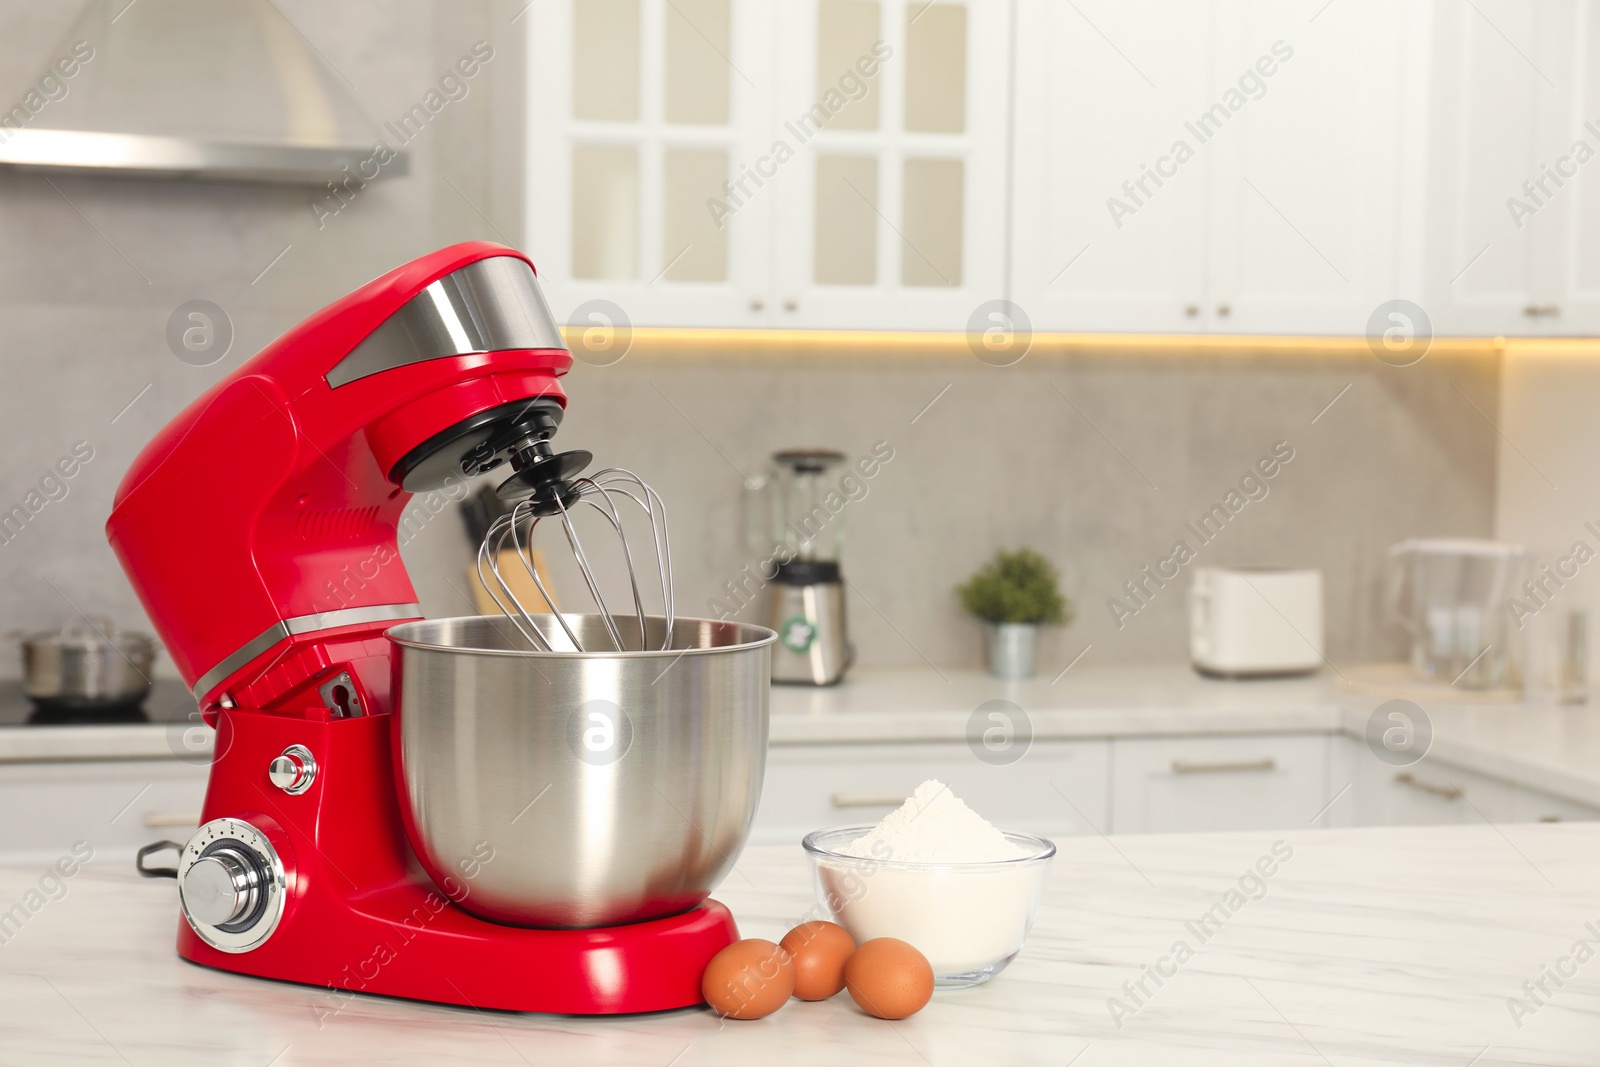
968 922
934 826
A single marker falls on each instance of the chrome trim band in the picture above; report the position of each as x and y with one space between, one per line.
491 305
300 624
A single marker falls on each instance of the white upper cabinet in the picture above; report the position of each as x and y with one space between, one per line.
1234 166
819 163
1231 166
641 114
892 214
1576 240
1306 231
1110 186
1515 240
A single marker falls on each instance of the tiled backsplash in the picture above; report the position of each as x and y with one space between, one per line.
1101 461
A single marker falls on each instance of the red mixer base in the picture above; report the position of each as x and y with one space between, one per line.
403 942
361 917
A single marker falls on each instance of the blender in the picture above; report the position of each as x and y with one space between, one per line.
805 596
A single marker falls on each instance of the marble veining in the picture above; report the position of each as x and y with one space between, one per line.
1368 946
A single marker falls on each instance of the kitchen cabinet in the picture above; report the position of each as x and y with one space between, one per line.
1056 788
1535 807
639 112
1307 231
1225 167
114 806
1432 792
1146 785
1087 126
1515 218
893 213
1426 793
1530 806
1233 166
823 163
1169 785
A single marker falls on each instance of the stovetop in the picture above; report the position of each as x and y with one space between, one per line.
169 702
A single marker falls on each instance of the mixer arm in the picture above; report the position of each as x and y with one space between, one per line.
260 527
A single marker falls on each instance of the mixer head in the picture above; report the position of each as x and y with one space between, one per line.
517 434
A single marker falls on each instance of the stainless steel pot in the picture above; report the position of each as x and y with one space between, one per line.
570 789
87 666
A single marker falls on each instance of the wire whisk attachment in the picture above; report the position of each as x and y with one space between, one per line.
609 492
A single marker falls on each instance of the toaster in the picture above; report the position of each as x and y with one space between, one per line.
1253 622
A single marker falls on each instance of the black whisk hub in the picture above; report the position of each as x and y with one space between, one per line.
545 479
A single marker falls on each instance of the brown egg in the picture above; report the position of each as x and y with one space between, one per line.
888 978
748 980
819 951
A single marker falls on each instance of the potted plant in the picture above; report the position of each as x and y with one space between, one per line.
1014 595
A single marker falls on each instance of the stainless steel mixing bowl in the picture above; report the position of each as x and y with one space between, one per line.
572 789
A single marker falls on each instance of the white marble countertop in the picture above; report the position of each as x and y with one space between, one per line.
1089 701
1372 946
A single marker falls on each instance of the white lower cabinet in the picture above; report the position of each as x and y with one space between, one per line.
1055 788
114 807
1528 806
1146 785
1169 785
1425 794
1431 793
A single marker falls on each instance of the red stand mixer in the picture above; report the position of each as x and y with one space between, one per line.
259 530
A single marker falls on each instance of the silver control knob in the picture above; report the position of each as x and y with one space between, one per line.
293 770
232 884
221 887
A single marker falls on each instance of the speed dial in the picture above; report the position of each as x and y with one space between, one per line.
231 883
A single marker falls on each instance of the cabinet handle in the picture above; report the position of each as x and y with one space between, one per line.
1223 311
1549 818
868 800
1191 310
1185 767
1447 792
156 820
791 304
756 303
1542 311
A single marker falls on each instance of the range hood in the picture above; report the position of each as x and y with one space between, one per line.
220 89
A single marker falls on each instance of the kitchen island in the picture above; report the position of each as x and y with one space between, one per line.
1436 945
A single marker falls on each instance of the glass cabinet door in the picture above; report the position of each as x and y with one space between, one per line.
893 208
642 117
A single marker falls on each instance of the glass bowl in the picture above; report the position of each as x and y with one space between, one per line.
969 919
